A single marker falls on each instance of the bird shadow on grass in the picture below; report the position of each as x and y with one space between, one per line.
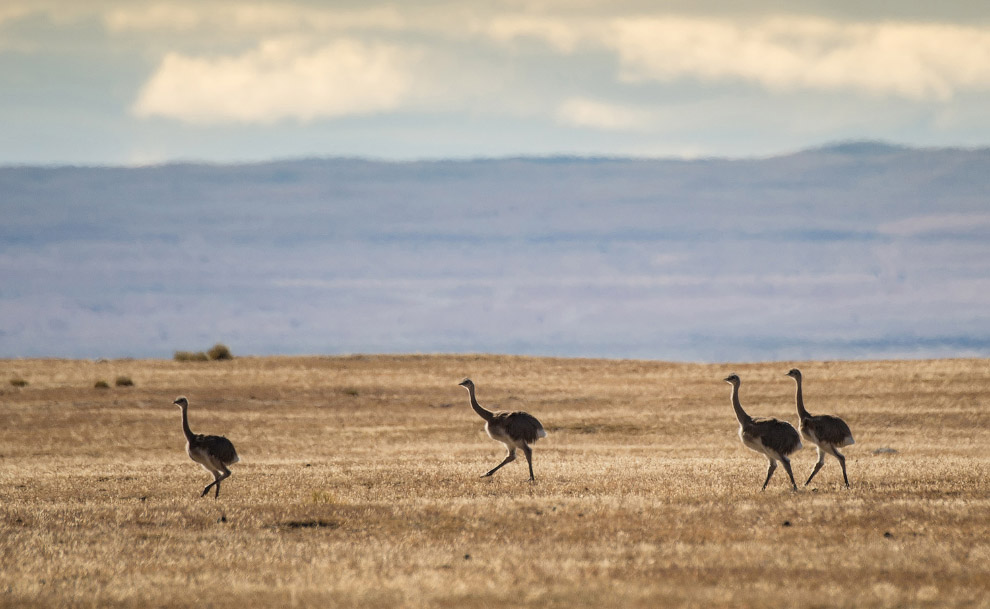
308 524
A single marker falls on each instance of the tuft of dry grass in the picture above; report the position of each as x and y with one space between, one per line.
359 486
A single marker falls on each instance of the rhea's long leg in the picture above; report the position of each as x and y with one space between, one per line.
842 462
509 458
787 468
773 466
216 480
223 476
818 466
529 459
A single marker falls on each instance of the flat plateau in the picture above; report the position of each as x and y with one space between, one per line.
359 486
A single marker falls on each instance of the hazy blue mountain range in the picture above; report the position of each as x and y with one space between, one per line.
851 251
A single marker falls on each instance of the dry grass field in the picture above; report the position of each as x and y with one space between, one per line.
359 486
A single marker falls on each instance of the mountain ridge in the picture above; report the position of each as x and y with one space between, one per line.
851 148
857 253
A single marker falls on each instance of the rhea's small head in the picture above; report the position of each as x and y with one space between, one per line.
181 402
795 374
468 383
732 379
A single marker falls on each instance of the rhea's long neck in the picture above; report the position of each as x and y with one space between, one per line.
482 412
736 406
799 398
185 424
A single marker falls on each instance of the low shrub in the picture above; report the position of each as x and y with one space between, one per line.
124 381
18 382
219 351
101 384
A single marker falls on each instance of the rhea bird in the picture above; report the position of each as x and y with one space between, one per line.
826 432
773 438
515 429
214 453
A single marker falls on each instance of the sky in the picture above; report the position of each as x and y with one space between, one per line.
110 82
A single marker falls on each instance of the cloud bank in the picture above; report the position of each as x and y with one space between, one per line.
468 79
911 60
280 79
370 63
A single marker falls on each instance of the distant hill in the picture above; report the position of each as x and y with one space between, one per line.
865 148
858 249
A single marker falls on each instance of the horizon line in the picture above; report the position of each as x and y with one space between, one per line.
849 147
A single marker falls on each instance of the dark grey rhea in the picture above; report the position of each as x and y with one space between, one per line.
826 432
773 438
214 453
515 429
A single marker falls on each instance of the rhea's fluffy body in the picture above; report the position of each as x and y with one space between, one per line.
214 453
515 429
773 438
826 432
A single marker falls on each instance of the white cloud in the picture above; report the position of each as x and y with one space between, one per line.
564 35
281 79
914 60
153 16
478 47
911 60
584 112
248 17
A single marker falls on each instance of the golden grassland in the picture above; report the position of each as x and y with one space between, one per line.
359 486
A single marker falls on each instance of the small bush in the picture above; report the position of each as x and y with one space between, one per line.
219 351
124 381
351 391
101 384
18 382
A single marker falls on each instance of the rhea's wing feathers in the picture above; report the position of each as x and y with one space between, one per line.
219 447
830 429
780 436
520 425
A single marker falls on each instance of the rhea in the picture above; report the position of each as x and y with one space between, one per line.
773 438
826 432
515 429
214 453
